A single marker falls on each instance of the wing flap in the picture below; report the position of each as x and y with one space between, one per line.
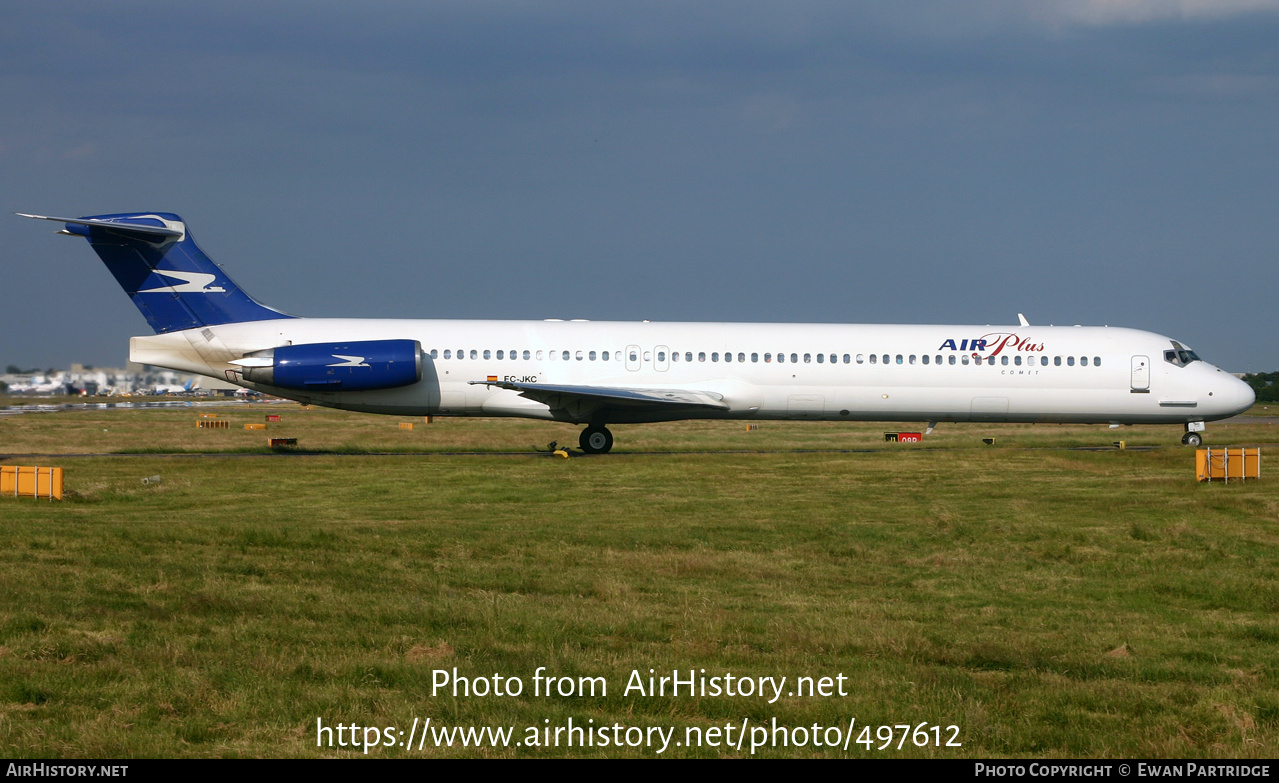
557 396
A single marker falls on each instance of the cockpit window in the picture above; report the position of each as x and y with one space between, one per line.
1181 356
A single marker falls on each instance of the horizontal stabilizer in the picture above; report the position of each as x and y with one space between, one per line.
149 233
154 258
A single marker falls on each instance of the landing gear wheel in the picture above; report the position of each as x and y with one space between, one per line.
1192 439
596 440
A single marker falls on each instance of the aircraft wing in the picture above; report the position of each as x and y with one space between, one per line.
565 396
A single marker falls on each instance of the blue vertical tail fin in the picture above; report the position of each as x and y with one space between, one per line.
155 259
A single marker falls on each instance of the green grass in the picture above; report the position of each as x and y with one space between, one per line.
1049 602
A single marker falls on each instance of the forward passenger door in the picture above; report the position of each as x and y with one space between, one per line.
1141 373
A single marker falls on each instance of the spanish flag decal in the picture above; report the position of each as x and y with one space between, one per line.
492 379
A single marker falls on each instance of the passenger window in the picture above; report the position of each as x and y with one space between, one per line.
1083 361
487 354
472 353
781 358
846 359
591 356
952 358
859 358
539 356
675 356
578 356
603 356
768 358
552 355
754 358
808 358
1017 360
715 356
728 357
741 357
794 358
819 359
661 356
565 356
634 356
1003 360
526 356
912 358
701 356
499 354
1096 361
885 358
448 354
688 356
1070 361
1057 361
964 358
899 358
938 360
874 359
925 358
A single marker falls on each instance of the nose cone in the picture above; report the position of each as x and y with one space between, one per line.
1244 396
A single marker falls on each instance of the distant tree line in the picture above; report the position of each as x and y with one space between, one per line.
1265 384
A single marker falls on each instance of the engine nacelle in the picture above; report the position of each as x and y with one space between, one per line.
356 366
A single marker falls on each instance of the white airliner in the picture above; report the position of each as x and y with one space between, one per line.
600 373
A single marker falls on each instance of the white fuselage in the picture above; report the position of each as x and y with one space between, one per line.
878 372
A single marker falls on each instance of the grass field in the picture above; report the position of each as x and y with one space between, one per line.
1046 600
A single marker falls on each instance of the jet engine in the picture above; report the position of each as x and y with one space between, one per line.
356 366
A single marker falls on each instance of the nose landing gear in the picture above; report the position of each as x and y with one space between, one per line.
1192 436
596 440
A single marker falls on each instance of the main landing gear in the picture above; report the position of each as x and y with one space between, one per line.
596 440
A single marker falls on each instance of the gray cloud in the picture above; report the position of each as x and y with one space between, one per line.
916 161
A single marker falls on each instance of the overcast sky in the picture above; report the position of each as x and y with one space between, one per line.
1081 161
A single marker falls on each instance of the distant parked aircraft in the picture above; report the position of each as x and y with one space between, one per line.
173 388
39 385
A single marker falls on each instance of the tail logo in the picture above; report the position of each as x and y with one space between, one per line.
193 283
351 361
